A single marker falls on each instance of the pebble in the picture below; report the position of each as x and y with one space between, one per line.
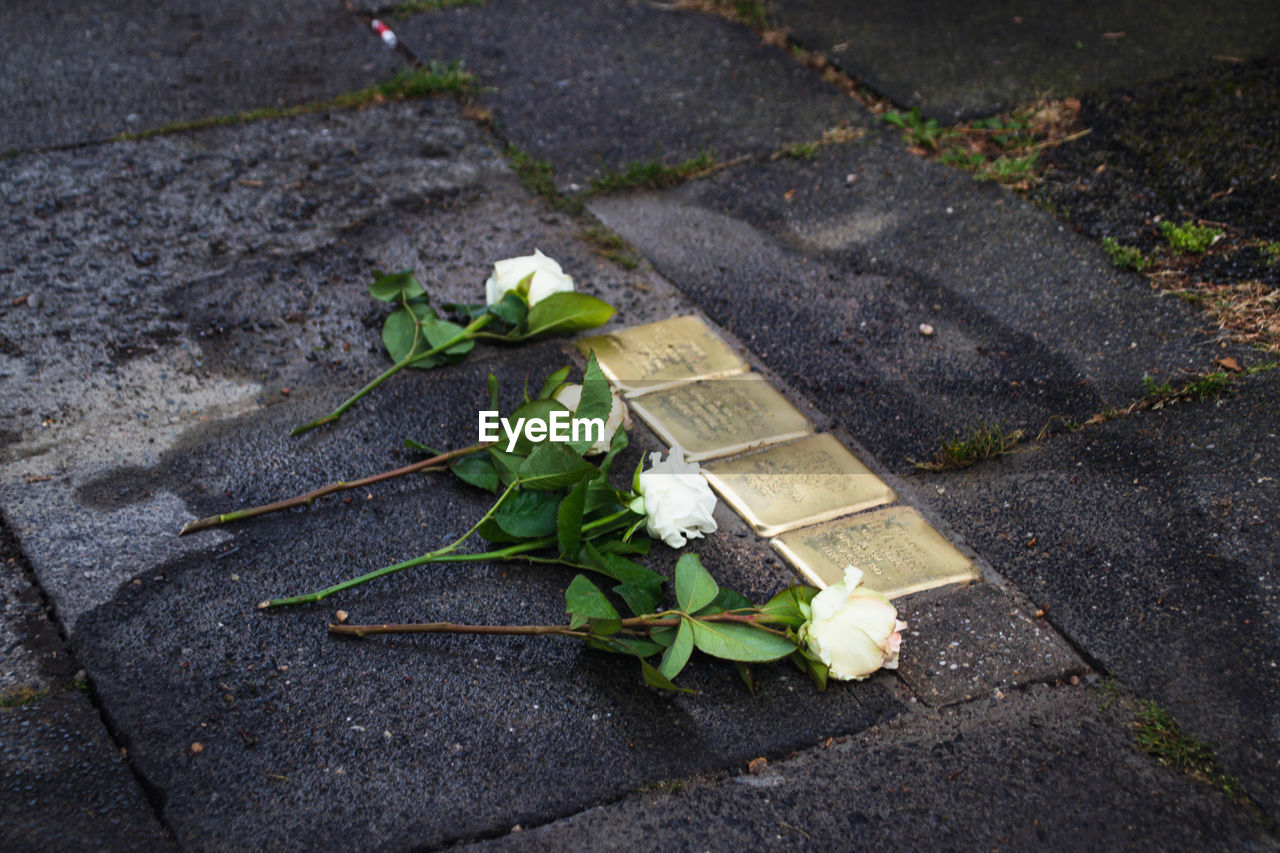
926 330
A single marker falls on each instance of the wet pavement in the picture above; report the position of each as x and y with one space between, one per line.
170 307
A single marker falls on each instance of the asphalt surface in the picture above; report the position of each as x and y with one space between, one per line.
170 307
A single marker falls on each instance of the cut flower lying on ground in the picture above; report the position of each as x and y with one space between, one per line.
570 396
526 297
715 620
853 630
675 499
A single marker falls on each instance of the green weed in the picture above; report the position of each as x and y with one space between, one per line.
410 7
1190 238
983 442
1126 257
1159 735
919 132
612 246
437 78
654 174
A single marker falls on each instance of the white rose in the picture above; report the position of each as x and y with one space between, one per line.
676 499
853 630
548 278
570 395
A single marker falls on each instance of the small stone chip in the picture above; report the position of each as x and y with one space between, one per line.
756 766
341 615
197 748
926 330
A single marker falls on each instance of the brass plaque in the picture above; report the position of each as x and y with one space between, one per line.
898 551
720 417
796 484
663 354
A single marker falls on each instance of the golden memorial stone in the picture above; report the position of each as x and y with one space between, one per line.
898 551
797 484
662 354
720 417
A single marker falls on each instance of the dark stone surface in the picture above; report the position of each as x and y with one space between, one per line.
829 280
64 784
406 741
74 72
594 86
1046 770
962 60
964 643
1152 541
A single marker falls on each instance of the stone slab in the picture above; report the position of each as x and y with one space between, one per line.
958 61
828 282
1151 541
591 87
1045 770
65 786
75 72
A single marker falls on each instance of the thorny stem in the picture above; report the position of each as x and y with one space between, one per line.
435 463
466 334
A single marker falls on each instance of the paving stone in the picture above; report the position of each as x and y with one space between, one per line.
980 58
65 786
592 87
1151 541
964 643
77 72
828 281
1046 770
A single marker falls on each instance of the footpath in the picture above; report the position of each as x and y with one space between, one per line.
193 200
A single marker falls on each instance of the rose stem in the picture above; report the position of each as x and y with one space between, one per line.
442 555
435 463
472 328
662 620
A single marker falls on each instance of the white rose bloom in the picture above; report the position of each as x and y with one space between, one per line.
570 395
548 278
854 631
676 498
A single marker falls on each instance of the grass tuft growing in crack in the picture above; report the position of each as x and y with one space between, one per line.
1126 257
1159 735
437 78
654 174
981 443
1190 238
539 177
413 7
609 244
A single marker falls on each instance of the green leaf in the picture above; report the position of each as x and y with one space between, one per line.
389 286
528 515
663 636
600 495
640 599
733 641
605 627
744 672
510 309
621 569
493 392
506 464
534 410
553 382
695 588
583 598
567 312
569 521
400 335
727 599
617 546
624 645
554 466
436 333
595 403
786 605
490 531
677 655
617 444
811 666
477 471
654 678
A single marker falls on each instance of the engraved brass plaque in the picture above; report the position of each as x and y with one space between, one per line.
663 354
720 417
898 551
797 484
